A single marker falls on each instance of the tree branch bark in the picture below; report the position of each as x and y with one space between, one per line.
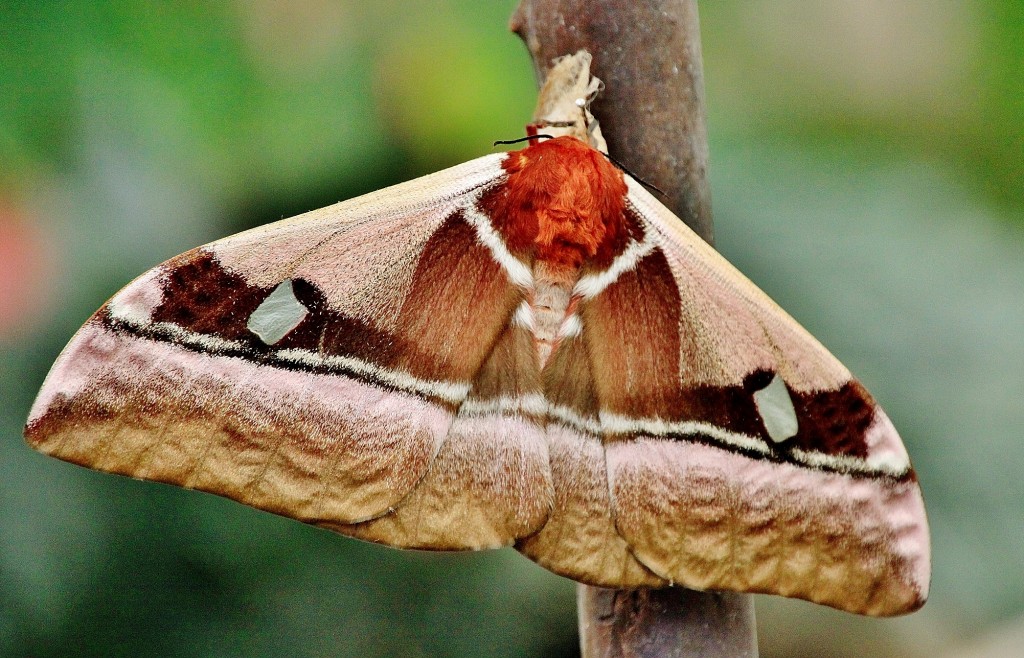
652 115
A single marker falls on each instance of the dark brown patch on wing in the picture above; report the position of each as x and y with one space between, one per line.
201 296
832 422
331 333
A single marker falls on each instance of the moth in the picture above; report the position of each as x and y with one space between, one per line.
527 349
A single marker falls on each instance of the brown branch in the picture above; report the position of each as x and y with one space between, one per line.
652 115
674 622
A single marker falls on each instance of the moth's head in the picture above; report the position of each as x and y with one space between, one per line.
563 105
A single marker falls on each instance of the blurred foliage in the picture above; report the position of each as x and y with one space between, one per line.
867 169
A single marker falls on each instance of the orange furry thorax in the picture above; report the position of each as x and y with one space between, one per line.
564 202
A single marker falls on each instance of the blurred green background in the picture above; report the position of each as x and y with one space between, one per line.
867 162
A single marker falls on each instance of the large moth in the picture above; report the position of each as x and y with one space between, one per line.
527 349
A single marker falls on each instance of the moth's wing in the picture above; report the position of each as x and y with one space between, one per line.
317 368
740 454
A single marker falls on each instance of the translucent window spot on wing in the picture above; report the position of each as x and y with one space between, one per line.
279 313
776 409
